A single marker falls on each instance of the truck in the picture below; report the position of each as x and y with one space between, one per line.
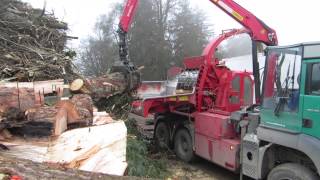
267 130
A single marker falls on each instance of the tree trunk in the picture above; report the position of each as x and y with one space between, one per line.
100 87
31 170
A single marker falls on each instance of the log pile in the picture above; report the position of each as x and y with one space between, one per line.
37 122
38 109
32 44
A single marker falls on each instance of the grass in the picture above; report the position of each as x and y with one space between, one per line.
139 157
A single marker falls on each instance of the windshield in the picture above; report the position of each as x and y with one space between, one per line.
282 79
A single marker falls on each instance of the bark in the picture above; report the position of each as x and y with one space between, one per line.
83 101
31 170
84 105
105 86
21 98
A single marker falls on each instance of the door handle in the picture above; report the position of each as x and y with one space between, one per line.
307 123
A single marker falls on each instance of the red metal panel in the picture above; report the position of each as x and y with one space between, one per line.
214 125
193 62
202 149
128 14
259 31
216 139
225 153
174 71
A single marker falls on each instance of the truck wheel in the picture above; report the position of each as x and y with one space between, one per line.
183 145
291 171
162 135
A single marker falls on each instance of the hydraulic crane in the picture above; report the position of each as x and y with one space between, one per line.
124 65
256 28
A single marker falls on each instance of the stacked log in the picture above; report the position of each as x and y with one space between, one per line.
38 109
22 98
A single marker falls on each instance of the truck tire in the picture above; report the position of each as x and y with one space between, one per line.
162 135
183 145
291 171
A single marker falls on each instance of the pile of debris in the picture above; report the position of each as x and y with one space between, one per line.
40 120
32 44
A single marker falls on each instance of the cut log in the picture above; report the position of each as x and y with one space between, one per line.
21 98
32 170
43 121
72 112
85 116
84 105
76 116
45 87
60 124
95 149
105 86
39 88
83 101
79 86
100 87
76 85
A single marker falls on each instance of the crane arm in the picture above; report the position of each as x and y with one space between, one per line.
128 15
258 30
124 65
124 25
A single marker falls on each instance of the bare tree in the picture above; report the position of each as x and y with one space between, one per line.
163 31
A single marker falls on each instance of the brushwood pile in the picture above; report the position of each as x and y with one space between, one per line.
32 44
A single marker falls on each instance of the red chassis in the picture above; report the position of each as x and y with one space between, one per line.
218 91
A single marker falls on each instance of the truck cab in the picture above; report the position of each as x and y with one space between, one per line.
288 136
291 90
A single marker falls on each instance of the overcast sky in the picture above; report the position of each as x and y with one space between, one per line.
294 21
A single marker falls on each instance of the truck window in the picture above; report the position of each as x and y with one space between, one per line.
247 91
312 51
313 87
282 81
236 87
